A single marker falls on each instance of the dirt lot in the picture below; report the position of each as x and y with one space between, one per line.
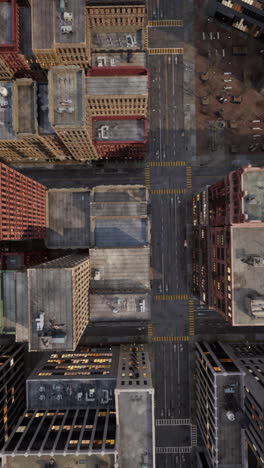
214 43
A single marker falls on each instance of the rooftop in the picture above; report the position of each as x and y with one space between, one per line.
120 269
119 307
50 296
66 96
45 127
68 218
119 130
6 120
247 273
119 59
112 41
253 185
71 19
5 22
114 2
25 107
105 197
116 85
135 415
86 461
122 232
42 14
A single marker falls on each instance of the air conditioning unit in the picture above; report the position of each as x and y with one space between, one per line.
101 61
113 62
3 91
104 131
66 29
67 16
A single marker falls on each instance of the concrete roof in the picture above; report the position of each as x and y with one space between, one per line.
246 279
106 194
68 218
25 107
44 125
119 59
5 23
85 461
253 184
77 36
105 41
66 96
6 119
121 232
116 85
136 429
119 130
42 24
120 269
119 307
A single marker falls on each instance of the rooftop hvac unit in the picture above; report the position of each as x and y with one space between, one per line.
66 29
101 61
142 305
131 40
97 275
3 103
104 132
113 62
67 16
3 91
42 397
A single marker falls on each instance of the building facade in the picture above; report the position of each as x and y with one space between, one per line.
227 222
246 16
12 388
58 302
11 58
23 206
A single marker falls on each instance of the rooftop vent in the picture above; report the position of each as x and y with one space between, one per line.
96 275
68 17
101 61
254 260
3 91
103 132
131 40
66 29
255 306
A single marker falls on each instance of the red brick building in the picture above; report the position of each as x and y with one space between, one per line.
228 235
11 58
22 206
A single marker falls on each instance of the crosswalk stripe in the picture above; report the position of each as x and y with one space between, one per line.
175 51
172 422
173 297
170 338
166 23
167 163
168 191
146 38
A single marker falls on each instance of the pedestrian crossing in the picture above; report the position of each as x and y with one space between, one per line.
146 38
173 449
173 422
147 176
165 23
191 319
189 177
168 191
150 330
172 297
193 436
167 163
177 51
170 338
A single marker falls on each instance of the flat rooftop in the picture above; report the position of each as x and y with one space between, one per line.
104 41
119 130
116 85
68 218
5 23
25 107
42 15
253 184
247 279
6 113
120 269
119 307
86 461
119 59
136 429
121 232
66 96
107 196
72 18
229 432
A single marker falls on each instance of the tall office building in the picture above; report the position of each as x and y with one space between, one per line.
228 223
23 206
12 387
58 302
96 401
11 58
245 15
60 34
230 403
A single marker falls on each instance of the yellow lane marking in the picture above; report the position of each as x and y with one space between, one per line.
146 38
171 338
167 163
191 319
188 177
178 51
168 191
165 23
147 176
175 297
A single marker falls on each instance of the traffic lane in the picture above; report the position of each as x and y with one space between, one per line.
173 460
164 10
83 177
173 436
168 252
171 389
